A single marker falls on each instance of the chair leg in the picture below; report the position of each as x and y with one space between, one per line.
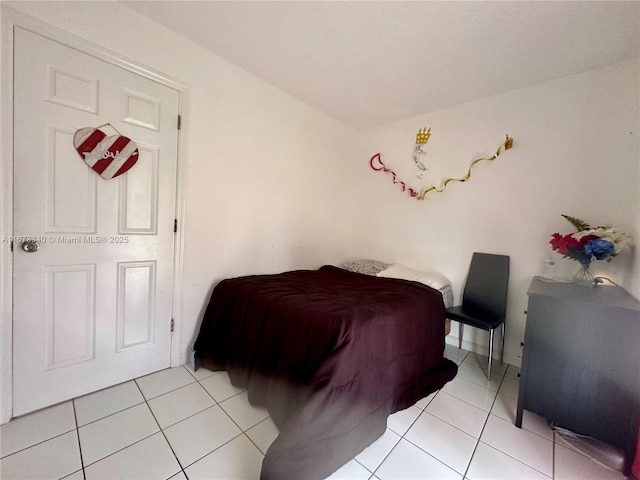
490 353
502 352
460 329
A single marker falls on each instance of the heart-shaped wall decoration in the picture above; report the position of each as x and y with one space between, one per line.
108 156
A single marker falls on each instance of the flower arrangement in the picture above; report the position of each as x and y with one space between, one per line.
588 244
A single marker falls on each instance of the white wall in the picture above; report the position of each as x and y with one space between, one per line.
265 189
575 152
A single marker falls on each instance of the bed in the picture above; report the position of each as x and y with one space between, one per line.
330 353
432 279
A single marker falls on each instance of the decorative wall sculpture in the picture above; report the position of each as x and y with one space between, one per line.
418 157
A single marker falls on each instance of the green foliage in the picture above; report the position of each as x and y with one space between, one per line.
579 225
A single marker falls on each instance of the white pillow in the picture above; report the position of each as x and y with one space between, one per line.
431 279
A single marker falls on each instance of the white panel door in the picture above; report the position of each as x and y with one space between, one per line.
92 305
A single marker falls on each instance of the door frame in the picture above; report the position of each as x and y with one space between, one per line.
9 20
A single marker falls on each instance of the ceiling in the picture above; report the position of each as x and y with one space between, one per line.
367 63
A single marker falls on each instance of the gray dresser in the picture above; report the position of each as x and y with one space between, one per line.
581 361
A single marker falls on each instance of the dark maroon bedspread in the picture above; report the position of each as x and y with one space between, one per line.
330 353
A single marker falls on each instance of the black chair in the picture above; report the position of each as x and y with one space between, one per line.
484 300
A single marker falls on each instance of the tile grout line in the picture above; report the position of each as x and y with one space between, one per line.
477 439
359 463
488 412
466 471
503 376
387 455
121 449
168 391
36 444
227 414
251 440
185 418
239 427
505 453
402 437
471 404
192 373
212 397
518 460
435 458
216 403
161 430
109 415
244 432
526 429
209 453
75 418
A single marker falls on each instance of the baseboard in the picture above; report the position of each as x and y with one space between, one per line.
483 350
184 359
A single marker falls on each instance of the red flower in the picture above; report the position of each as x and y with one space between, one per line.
562 244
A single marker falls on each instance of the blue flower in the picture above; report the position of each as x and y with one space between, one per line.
599 248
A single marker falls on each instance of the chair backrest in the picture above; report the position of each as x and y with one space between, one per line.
487 284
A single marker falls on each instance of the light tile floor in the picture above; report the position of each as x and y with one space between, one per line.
180 424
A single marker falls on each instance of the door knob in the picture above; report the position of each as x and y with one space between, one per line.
30 247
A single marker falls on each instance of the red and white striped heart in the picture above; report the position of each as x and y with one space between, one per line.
108 156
